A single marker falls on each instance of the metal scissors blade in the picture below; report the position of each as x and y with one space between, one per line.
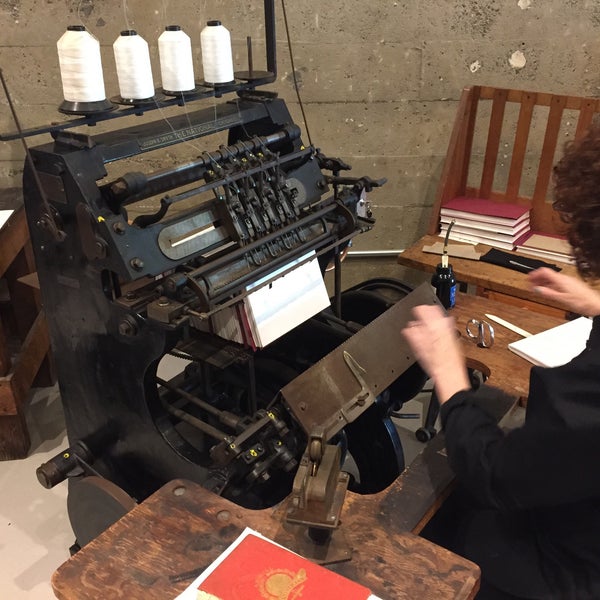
480 331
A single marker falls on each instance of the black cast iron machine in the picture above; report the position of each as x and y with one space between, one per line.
122 292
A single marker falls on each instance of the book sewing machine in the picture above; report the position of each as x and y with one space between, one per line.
195 340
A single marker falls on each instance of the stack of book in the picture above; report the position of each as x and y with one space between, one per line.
295 294
546 247
481 221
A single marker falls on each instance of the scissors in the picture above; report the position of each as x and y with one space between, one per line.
482 332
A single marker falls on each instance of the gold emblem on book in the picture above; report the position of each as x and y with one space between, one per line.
281 584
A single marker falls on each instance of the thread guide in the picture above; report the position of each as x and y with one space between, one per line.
161 101
244 82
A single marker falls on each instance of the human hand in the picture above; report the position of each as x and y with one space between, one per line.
573 293
432 337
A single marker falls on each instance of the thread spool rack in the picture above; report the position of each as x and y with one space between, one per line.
244 82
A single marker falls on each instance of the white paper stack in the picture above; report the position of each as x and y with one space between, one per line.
276 308
556 346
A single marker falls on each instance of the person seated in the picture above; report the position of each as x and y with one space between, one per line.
527 508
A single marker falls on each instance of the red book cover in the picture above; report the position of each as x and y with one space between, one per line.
258 569
245 325
485 208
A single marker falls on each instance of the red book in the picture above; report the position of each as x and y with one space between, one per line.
546 241
546 246
255 568
484 210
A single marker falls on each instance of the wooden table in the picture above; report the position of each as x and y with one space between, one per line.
24 340
493 281
504 369
183 527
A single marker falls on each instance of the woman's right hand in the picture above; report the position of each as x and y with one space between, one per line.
432 337
573 293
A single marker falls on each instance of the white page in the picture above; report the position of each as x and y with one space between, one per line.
4 216
556 346
288 301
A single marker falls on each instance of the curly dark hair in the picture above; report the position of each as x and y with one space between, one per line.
577 199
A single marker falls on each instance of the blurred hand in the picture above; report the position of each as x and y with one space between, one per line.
434 342
573 293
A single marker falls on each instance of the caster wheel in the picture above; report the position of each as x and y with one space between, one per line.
74 549
425 434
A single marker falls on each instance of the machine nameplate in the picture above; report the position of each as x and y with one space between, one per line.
195 131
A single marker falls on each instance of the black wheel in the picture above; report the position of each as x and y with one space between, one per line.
375 446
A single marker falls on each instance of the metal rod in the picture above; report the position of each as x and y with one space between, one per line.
189 397
226 290
250 62
197 423
137 110
47 218
337 306
219 262
270 39
252 403
373 253
243 294
166 179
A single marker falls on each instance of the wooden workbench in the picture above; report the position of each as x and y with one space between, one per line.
493 281
183 527
24 340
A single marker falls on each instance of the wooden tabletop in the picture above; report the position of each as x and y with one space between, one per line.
505 369
488 276
183 527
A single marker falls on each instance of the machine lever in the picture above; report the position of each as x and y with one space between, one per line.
364 183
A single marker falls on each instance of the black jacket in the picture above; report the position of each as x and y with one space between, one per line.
547 471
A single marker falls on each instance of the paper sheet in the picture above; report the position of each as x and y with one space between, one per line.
286 302
4 216
556 346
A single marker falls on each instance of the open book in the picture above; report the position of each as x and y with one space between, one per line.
556 346
255 568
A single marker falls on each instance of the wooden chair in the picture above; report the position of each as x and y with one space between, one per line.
503 146
24 341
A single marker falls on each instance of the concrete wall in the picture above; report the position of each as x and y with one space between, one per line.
379 80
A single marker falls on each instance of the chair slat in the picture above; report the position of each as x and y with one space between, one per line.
541 213
467 139
520 146
493 142
589 106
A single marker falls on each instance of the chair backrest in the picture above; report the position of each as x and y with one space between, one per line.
504 144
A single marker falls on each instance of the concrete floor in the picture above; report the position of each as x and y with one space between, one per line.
35 533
